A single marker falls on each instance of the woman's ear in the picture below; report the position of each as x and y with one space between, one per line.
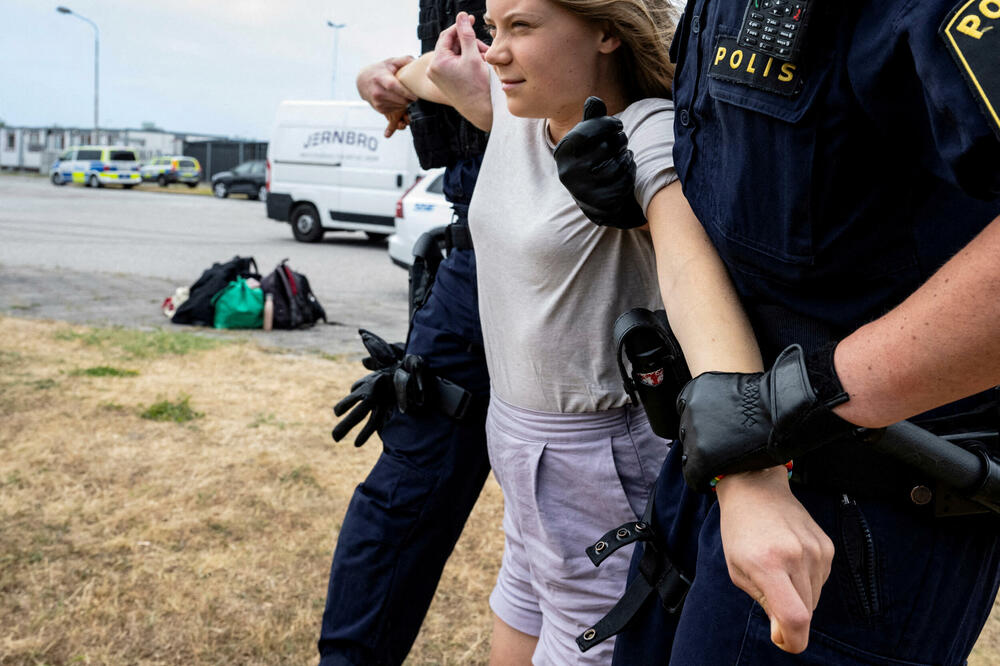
610 40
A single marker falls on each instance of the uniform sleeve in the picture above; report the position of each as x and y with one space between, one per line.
649 125
930 69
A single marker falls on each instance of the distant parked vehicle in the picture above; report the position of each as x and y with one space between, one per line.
172 169
96 166
249 178
331 168
422 208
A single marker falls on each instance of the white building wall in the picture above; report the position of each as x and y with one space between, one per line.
9 140
35 148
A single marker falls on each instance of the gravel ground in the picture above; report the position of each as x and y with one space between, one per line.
117 299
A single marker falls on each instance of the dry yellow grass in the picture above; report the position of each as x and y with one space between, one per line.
130 541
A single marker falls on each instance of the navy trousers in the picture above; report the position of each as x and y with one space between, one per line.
905 588
404 519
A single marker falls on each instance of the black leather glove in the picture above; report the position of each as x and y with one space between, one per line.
382 354
373 395
597 168
733 422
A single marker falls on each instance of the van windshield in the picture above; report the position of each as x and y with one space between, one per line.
122 156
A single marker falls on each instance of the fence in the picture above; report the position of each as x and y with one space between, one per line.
216 156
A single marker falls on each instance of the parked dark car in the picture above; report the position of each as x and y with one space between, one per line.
249 178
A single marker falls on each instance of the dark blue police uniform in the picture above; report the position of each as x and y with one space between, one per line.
405 518
833 182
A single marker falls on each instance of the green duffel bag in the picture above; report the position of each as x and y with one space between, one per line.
239 305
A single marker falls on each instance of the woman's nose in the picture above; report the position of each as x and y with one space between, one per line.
497 54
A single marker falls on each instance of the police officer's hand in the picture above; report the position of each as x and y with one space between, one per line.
735 422
775 551
378 85
598 169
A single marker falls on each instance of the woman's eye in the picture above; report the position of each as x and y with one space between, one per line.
492 30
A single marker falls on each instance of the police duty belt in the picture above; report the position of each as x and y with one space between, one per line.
974 474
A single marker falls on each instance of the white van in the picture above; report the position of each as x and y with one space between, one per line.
330 167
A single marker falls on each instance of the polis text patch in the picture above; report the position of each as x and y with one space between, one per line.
741 64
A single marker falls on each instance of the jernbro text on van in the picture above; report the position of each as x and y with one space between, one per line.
346 138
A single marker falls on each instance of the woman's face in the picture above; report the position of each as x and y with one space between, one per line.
548 59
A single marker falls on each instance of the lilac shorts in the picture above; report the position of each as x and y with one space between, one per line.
566 479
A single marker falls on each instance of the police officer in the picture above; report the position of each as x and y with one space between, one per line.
404 519
845 161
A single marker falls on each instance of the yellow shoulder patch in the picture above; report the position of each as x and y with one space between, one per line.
971 36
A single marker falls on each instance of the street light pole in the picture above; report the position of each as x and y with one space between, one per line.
97 59
336 44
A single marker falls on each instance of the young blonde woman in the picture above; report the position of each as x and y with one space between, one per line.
572 457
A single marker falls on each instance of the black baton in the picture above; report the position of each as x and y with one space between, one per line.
973 473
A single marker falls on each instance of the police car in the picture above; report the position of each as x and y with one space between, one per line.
172 169
420 209
96 166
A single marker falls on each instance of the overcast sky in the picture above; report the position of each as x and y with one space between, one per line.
212 66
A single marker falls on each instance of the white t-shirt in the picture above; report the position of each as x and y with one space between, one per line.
551 282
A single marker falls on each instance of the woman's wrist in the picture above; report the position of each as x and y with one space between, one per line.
769 479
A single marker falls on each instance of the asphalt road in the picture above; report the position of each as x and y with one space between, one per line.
110 256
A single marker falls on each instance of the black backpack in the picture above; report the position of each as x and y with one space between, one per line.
295 305
198 308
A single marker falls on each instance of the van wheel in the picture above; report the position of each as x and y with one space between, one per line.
94 180
376 237
306 225
57 179
192 185
128 187
161 180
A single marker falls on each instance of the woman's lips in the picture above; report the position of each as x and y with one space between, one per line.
510 84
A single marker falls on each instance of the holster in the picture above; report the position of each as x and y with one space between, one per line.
645 335
427 257
428 253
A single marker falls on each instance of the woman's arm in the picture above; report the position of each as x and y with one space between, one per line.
413 75
701 303
774 550
454 73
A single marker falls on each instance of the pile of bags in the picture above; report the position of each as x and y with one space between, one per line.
233 295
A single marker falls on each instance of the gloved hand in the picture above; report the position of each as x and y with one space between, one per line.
597 168
734 422
373 395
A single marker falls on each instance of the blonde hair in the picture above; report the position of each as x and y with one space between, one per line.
645 28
